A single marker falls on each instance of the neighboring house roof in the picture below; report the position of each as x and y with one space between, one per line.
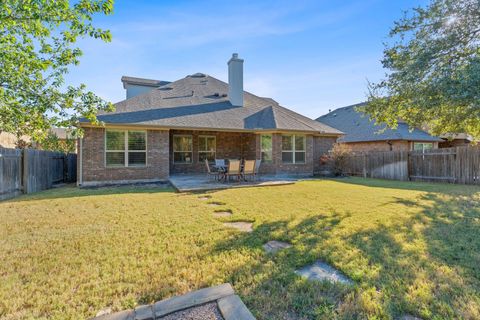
200 101
358 127
143 82
457 136
61 133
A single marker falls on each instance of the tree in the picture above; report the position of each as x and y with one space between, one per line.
37 47
434 70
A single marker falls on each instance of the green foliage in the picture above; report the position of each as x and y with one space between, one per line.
53 143
37 47
434 65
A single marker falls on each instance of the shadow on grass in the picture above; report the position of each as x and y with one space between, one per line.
429 265
269 286
75 192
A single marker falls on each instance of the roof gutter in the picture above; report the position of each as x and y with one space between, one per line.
154 127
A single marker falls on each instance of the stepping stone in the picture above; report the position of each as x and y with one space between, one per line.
204 197
240 225
222 213
216 203
409 317
320 271
274 246
103 312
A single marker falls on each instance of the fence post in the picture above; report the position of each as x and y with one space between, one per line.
364 165
25 171
409 169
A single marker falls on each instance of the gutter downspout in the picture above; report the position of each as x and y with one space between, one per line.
80 163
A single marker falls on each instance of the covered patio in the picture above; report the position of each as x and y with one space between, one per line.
201 182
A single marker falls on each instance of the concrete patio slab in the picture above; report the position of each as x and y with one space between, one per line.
240 226
320 271
274 246
193 183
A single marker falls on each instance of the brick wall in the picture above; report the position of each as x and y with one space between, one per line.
230 145
321 146
379 146
93 159
399 145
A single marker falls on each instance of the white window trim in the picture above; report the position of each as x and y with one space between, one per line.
268 151
293 151
126 150
206 151
423 145
191 148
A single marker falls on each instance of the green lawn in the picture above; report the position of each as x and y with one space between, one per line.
411 248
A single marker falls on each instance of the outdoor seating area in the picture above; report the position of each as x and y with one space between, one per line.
202 182
225 169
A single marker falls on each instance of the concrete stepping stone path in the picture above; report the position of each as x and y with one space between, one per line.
320 271
216 203
240 225
274 246
222 213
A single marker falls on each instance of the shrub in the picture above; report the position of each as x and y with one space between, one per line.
339 155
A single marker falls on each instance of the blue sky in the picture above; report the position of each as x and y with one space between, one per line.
310 56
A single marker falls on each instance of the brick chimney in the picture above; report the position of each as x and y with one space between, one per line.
235 80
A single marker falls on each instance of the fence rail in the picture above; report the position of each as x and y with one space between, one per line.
459 165
27 171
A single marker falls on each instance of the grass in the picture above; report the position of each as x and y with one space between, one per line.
411 248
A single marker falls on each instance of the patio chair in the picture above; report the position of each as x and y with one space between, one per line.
211 173
233 169
257 168
248 169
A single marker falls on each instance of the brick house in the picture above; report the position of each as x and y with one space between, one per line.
165 128
362 134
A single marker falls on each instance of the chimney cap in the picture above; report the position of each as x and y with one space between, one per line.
235 58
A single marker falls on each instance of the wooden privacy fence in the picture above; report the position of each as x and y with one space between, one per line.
27 171
455 165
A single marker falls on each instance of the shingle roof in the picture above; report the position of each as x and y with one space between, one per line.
143 81
201 101
359 127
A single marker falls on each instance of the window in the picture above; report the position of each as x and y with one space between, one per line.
422 146
206 148
182 149
293 149
266 147
125 148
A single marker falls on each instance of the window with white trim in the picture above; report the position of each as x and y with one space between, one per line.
125 148
293 149
207 146
422 146
182 149
266 147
